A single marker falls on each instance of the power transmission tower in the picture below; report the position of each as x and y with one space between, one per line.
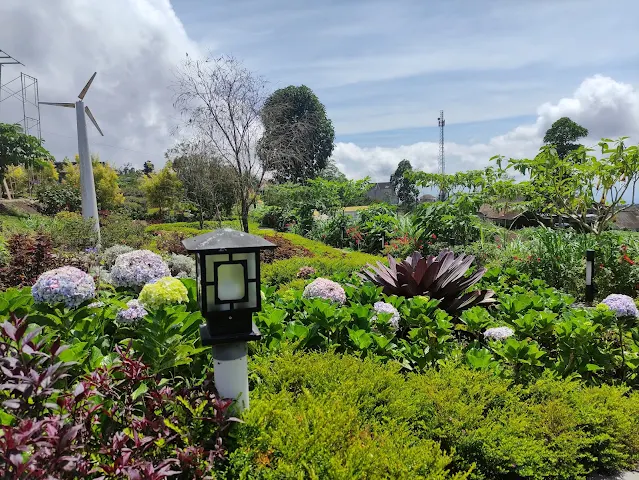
441 164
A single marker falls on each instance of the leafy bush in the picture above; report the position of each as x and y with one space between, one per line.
29 257
116 421
110 254
56 197
454 221
304 406
170 242
377 225
69 231
118 229
181 265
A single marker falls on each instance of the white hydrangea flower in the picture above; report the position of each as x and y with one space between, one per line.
498 333
383 307
137 268
325 288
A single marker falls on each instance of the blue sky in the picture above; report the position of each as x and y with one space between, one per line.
502 70
388 67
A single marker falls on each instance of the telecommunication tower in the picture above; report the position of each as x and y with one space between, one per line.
441 164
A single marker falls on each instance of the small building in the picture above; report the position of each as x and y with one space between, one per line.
383 192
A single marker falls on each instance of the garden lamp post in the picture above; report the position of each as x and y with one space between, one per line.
227 266
590 273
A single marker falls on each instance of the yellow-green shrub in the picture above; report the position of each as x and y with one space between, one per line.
319 415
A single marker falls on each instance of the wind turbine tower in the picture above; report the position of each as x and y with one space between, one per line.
87 184
441 164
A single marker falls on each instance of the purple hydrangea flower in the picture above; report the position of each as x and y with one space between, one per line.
134 311
498 333
622 305
96 305
137 268
383 307
68 285
325 288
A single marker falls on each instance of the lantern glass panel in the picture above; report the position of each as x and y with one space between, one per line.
252 297
211 306
250 263
211 260
230 282
198 279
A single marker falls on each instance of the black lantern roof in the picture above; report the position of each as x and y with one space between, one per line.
226 239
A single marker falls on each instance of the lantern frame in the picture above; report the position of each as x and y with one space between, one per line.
231 321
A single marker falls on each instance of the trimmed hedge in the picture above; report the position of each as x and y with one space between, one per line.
328 261
330 416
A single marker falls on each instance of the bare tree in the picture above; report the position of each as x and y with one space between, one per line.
221 100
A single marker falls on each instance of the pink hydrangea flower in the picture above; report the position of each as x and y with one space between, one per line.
68 285
326 289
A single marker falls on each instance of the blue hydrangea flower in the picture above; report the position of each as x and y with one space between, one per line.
68 285
622 305
137 268
383 307
498 333
134 311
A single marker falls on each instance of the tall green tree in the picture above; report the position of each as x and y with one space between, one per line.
298 136
17 147
148 168
563 134
163 189
208 183
404 186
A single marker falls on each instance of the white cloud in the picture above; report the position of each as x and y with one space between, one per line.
132 44
607 108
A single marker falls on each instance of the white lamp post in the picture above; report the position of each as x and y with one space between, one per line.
228 291
590 273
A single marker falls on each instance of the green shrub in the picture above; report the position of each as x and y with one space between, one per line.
301 427
69 231
118 229
304 408
56 197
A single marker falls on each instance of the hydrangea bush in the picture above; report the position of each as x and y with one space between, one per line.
622 305
181 266
498 333
134 311
165 291
68 285
383 307
326 289
137 268
112 253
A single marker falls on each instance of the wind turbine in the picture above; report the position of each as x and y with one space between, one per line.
87 184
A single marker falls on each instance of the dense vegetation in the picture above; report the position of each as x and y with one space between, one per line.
398 341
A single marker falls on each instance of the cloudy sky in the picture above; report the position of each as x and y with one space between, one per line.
501 70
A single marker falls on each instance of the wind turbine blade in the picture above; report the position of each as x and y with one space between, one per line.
58 104
86 87
86 109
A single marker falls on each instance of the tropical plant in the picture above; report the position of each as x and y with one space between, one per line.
442 277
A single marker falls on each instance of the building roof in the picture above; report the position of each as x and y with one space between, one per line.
501 214
628 219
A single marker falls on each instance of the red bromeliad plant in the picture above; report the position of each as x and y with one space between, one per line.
116 422
443 277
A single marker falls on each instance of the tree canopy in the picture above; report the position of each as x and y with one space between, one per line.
17 147
404 185
298 136
563 134
208 183
107 189
163 190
